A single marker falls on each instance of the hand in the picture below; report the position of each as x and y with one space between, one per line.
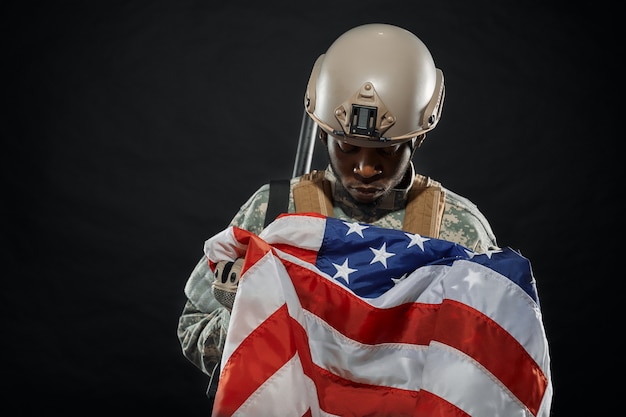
226 281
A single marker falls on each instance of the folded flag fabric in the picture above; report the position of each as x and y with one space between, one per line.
336 318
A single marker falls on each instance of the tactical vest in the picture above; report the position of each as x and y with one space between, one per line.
423 214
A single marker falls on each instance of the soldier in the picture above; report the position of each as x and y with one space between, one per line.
374 95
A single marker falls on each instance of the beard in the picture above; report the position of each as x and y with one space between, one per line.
403 177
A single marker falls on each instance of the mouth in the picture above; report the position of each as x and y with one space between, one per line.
366 193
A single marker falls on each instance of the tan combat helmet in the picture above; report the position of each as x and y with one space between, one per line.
377 85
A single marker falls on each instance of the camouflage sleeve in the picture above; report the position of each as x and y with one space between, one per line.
463 223
203 322
251 215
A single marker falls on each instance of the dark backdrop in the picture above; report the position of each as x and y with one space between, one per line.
134 130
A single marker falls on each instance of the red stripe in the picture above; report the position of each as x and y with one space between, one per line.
306 255
272 338
278 338
257 247
344 397
409 323
256 359
475 334
304 214
433 406
348 398
452 323
241 235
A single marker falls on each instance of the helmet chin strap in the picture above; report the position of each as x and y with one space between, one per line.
407 179
415 143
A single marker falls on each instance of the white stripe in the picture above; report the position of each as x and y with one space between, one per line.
289 392
460 380
422 285
259 297
503 301
224 247
300 231
389 364
263 288
392 364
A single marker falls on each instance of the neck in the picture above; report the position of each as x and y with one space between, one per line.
394 200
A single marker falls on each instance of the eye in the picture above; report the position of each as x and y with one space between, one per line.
390 150
346 147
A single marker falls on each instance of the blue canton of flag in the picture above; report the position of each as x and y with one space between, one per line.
370 260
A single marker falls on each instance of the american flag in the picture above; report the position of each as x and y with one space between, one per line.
337 318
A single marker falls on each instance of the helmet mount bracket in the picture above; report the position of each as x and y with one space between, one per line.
364 114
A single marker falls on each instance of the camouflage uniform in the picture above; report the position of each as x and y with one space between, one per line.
204 321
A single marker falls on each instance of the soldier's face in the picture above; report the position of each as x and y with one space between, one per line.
368 173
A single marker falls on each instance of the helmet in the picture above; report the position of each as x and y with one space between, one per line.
375 86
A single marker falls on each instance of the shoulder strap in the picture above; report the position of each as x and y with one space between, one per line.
424 208
313 194
278 200
212 387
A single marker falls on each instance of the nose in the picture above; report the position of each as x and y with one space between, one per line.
367 165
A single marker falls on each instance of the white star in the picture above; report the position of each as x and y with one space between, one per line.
381 255
491 252
355 228
343 270
416 240
473 278
396 281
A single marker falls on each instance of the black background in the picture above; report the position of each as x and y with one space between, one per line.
134 131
